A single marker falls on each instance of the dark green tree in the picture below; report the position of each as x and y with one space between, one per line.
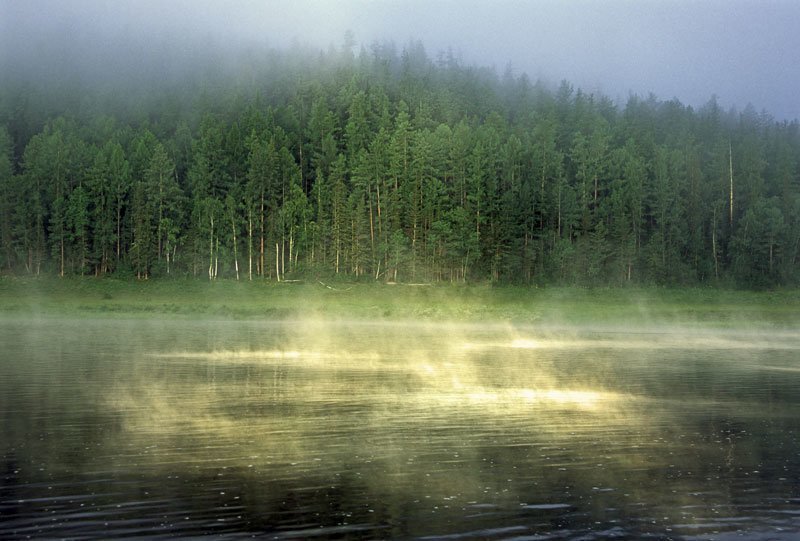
165 201
9 200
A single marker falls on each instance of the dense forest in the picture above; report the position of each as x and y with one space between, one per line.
388 165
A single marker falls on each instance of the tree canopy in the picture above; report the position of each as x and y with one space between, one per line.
392 167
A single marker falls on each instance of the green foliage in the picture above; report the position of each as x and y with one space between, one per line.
8 201
396 168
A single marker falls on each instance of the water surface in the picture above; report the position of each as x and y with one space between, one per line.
294 430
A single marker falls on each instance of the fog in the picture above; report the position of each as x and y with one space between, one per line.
288 430
742 51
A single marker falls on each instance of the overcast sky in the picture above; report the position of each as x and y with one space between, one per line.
744 51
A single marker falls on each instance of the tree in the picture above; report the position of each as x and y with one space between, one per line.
209 182
31 214
284 206
339 214
357 130
588 155
261 174
377 168
320 228
321 133
208 214
165 201
54 163
626 206
296 221
78 226
142 231
400 168
548 171
664 217
8 201
758 244
102 219
362 208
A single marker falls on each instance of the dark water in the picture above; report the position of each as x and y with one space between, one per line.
302 430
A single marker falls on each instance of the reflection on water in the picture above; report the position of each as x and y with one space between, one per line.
314 429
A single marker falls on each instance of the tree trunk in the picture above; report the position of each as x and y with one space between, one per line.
160 212
216 261
730 169
283 256
261 233
291 248
771 244
235 251
119 228
249 246
371 226
378 203
277 263
714 244
211 251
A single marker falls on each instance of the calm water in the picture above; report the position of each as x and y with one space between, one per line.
299 430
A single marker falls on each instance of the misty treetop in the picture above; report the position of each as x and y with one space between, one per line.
390 167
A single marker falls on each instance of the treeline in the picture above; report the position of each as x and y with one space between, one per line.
393 167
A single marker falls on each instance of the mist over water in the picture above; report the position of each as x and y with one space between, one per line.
394 430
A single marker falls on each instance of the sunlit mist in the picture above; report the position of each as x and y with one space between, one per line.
315 428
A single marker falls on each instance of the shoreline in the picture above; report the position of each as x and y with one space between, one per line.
638 307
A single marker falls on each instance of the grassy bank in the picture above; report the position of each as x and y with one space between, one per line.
90 297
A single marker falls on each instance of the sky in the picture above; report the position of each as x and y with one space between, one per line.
742 51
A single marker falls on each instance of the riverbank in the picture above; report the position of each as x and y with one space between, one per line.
109 297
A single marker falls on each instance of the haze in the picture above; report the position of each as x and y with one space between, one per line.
745 52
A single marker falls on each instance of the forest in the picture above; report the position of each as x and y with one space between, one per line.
389 165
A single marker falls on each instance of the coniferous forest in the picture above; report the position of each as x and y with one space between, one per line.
386 164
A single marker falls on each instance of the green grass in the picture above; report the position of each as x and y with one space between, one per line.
184 298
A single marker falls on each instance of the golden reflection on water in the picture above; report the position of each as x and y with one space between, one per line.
443 383
647 340
446 417
409 428
429 418
414 410
285 389
455 429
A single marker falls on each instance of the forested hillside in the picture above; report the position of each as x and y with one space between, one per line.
389 165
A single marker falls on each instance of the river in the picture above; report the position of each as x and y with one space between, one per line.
396 430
